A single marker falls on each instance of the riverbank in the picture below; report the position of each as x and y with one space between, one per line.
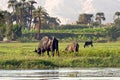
22 56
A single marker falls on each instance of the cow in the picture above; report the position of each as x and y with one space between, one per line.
87 43
73 47
48 44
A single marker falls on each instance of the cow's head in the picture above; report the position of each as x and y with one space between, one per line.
38 51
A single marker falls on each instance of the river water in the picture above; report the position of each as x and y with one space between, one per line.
62 74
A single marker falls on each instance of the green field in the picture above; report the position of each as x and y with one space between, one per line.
21 56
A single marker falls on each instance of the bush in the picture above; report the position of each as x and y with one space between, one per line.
113 33
16 32
2 31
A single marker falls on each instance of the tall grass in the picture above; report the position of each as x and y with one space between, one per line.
22 56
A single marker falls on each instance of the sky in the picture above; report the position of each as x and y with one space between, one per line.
68 10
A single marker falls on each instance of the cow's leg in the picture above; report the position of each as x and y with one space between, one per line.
91 45
48 53
39 52
74 50
42 52
84 46
57 52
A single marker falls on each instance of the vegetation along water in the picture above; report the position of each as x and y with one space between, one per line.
26 24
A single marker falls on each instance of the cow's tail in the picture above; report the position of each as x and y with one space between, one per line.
35 50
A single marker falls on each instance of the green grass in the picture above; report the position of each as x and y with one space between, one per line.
21 56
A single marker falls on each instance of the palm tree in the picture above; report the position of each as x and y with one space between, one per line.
7 22
31 8
1 16
117 14
14 5
85 18
99 17
22 12
117 20
53 21
40 13
6 16
31 2
11 4
2 25
22 1
82 19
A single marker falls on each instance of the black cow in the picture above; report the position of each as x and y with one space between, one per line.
73 47
87 43
48 44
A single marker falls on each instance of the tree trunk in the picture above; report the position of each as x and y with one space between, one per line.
39 26
30 20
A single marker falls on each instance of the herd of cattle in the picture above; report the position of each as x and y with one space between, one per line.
48 44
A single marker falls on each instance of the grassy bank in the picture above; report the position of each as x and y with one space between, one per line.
66 35
21 56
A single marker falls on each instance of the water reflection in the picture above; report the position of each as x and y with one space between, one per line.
62 74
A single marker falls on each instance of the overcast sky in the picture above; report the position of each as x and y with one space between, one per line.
68 10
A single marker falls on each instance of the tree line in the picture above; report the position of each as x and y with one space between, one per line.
97 19
24 16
